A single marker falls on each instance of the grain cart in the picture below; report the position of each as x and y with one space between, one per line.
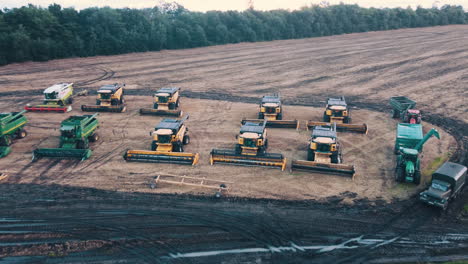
324 153
57 98
403 108
409 143
169 137
337 111
110 99
75 134
11 127
250 149
271 110
166 103
447 183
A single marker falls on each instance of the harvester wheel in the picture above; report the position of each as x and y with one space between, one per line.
326 118
261 116
186 140
70 100
6 141
310 155
279 116
155 106
115 102
172 106
82 144
98 102
417 177
154 145
22 133
398 174
94 137
238 149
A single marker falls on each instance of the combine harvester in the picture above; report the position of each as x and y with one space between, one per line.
337 111
11 127
271 110
250 149
169 136
75 134
404 108
408 144
110 99
166 103
57 98
324 153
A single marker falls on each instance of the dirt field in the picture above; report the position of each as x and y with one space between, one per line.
47 222
367 68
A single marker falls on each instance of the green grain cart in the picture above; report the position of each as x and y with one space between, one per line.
11 127
408 144
75 134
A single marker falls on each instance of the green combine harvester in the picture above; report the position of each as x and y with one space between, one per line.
409 143
75 134
11 127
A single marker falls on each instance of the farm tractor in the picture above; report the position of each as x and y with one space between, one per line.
169 137
324 153
409 144
337 111
404 108
166 103
110 99
271 110
11 127
57 98
250 149
75 134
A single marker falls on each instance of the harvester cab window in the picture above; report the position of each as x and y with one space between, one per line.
270 108
323 143
68 132
250 139
163 97
164 135
105 94
51 95
441 186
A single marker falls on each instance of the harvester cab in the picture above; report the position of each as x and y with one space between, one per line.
166 102
250 149
271 110
75 134
324 153
11 127
169 137
252 139
338 112
110 98
408 163
57 98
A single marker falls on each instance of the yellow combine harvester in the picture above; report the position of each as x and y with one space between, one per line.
169 137
250 149
324 153
110 99
337 111
271 110
166 102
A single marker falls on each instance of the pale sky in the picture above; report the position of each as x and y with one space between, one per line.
205 5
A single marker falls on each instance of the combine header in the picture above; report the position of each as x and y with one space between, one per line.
404 108
75 134
337 111
11 127
250 149
57 98
271 110
169 136
324 153
110 99
166 103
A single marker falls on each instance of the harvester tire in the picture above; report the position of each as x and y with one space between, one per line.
279 116
155 106
172 106
186 140
326 118
115 102
94 137
70 100
98 102
238 149
6 141
261 116
310 155
82 144
398 174
154 145
417 177
22 133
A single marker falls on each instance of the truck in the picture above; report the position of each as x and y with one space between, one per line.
11 127
404 108
446 184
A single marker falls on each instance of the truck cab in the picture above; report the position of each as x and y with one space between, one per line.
447 182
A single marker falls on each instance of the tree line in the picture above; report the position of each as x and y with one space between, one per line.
40 34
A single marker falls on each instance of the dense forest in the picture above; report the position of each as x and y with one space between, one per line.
33 33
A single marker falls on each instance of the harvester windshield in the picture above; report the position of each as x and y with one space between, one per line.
67 131
51 95
249 142
105 94
164 135
323 148
163 97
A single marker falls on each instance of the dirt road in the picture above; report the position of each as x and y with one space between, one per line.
82 224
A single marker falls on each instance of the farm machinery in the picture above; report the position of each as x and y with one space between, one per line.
404 108
250 149
11 127
75 134
57 98
409 143
271 110
169 137
110 98
324 153
165 102
337 111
